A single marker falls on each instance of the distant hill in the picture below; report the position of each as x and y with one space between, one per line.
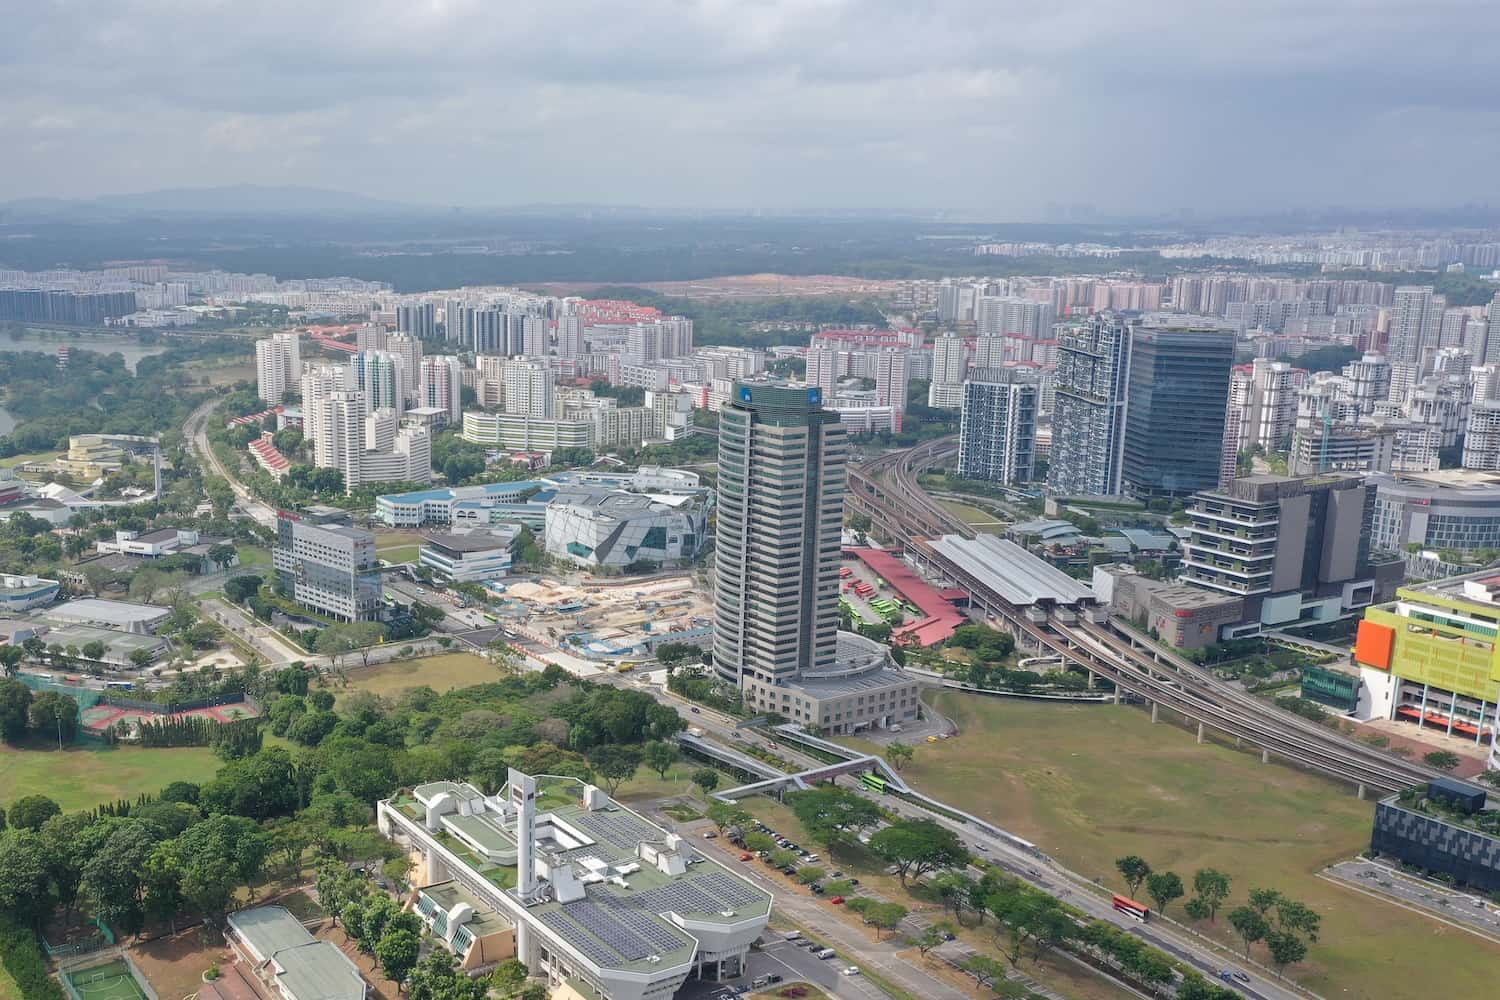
229 200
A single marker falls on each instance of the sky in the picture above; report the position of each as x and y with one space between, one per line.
986 109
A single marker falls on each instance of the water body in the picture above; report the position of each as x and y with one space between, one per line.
127 346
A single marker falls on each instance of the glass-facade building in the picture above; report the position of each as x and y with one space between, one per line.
1176 395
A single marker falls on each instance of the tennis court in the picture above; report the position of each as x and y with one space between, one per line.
111 981
100 717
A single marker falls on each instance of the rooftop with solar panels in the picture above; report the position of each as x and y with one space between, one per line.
621 891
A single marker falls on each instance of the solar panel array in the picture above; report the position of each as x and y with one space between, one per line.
620 829
728 888
630 945
681 896
570 932
628 911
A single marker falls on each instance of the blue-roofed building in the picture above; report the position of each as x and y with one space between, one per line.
22 593
439 506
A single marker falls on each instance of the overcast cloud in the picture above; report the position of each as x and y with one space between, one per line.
988 109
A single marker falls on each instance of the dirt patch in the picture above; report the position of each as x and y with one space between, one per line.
174 965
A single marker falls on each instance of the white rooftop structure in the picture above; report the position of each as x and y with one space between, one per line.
1016 575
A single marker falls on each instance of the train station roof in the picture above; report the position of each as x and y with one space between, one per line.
1006 568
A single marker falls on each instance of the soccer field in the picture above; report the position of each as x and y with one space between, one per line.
113 981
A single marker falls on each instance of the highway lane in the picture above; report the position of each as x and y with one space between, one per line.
195 429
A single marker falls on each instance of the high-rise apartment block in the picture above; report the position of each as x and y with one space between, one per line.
1088 416
530 389
1175 401
997 425
441 386
380 376
950 362
278 367
419 319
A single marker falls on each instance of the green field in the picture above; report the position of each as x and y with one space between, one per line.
253 555
106 982
1089 784
397 546
36 456
81 777
399 553
443 672
972 516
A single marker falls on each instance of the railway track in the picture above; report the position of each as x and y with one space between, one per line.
887 490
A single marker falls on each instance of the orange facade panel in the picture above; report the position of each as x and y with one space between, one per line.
1375 644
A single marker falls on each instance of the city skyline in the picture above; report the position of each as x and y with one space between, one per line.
779 106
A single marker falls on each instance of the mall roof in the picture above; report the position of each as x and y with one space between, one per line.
1010 571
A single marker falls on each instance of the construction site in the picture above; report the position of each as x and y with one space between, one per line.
614 625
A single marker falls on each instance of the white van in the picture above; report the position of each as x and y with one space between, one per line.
825 953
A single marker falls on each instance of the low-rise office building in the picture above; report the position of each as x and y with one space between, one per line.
863 689
1448 509
120 616
1429 657
471 556
599 897
1451 829
292 963
22 593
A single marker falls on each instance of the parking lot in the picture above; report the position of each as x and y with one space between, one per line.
1442 901
794 964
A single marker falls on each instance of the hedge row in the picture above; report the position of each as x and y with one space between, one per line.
23 960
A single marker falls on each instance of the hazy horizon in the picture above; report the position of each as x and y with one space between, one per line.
969 109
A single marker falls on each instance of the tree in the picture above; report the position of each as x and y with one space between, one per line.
378 911
1443 760
1286 949
660 755
726 815
1298 918
52 712
808 874
984 969
222 554
114 876
1196 909
899 754
93 650
1263 900
917 846
240 589
1134 870
932 935
759 842
1212 888
955 889
1163 887
30 811
211 858
15 700
615 764
10 659
885 917
706 778
1249 924
832 815
508 976
24 880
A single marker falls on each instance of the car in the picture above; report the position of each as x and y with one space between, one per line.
1241 976
709 835
932 739
773 978
981 848
837 874
420 591
854 881
837 900
788 870
760 982
825 953
817 890
695 709
746 857
792 935
849 970
949 936
1226 975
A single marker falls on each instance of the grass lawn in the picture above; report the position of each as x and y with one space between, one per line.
253 555
647 784
83 776
35 456
971 515
399 553
8 988
443 672
1090 784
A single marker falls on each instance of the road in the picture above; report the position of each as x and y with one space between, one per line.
195 429
1435 899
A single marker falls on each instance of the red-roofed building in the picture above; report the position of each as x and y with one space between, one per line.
942 614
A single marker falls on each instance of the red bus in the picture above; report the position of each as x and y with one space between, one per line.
1129 906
